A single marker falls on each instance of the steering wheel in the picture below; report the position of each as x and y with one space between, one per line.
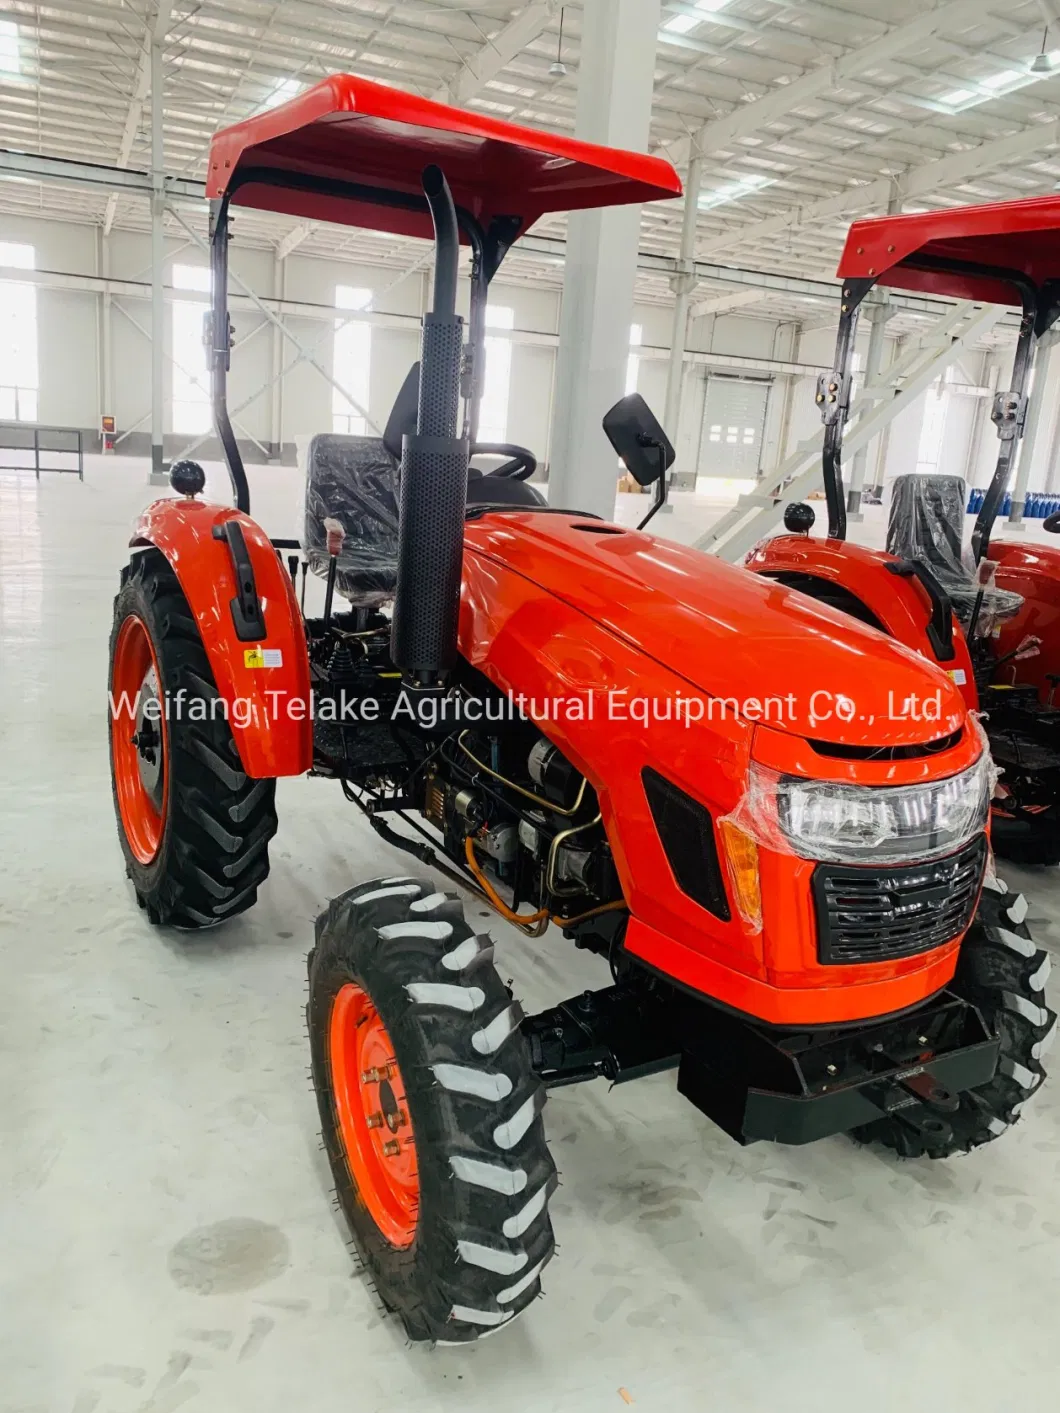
520 467
1052 523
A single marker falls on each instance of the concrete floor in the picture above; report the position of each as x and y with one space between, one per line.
166 1234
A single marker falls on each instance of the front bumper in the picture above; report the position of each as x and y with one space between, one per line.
799 1088
757 1082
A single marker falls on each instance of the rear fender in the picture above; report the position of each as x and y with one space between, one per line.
1033 571
268 707
899 604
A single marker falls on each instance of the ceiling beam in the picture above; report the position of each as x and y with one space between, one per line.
752 117
294 238
155 28
497 53
922 180
726 303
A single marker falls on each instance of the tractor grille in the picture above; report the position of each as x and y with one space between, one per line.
877 914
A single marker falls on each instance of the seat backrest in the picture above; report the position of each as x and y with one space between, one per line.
354 480
926 524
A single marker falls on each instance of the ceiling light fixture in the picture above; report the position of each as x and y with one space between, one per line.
1043 63
559 68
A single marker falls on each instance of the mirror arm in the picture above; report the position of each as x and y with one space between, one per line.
660 484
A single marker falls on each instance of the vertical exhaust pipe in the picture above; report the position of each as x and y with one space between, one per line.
433 493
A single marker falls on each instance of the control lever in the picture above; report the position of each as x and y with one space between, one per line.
335 537
1030 646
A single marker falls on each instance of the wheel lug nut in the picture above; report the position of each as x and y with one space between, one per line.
392 1148
375 1120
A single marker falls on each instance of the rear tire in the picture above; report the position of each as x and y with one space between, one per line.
205 853
470 1259
1002 972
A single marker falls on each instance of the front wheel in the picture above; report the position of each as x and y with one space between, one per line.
194 828
430 1110
1003 973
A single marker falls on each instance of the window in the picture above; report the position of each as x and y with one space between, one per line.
493 413
191 384
18 337
10 51
636 338
352 363
936 405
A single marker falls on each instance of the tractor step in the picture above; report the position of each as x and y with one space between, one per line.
759 1082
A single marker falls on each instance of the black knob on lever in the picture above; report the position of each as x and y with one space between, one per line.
798 518
187 478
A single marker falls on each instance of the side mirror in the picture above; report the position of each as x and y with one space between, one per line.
404 414
635 433
633 430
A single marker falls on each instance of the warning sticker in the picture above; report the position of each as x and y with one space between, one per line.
262 657
959 676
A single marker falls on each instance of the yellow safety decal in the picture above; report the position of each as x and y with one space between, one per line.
262 657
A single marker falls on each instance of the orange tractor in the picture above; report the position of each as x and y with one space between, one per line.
580 725
989 618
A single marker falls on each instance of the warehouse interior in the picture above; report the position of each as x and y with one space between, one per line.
171 1235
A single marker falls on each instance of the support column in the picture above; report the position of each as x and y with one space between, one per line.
615 83
158 258
279 290
683 283
106 360
1044 366
873 368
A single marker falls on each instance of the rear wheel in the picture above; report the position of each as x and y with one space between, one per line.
194 828
430 1110
1003 973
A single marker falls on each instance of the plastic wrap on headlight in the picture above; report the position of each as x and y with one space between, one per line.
862 824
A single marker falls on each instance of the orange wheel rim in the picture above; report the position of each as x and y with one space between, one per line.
139 747
372 1114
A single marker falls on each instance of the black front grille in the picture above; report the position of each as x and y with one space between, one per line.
877 914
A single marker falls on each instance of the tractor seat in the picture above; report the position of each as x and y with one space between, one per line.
926 526
353 480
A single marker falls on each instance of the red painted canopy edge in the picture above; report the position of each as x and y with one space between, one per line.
359 131
1008 235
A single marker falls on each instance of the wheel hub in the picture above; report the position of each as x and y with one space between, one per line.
138 740
148 737
372 1117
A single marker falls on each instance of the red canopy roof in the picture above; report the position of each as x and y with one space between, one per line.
359 131
1014 235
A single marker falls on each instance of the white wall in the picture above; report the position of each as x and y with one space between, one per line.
71 375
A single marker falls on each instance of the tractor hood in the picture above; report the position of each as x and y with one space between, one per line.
730 633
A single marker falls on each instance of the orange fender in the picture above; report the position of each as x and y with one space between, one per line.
268 706
900 605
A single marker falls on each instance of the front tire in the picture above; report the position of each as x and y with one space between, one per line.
1003 973
430 1110
194 828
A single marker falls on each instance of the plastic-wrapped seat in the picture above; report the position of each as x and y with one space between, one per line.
926 525
354 480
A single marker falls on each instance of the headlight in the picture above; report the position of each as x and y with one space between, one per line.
863 823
